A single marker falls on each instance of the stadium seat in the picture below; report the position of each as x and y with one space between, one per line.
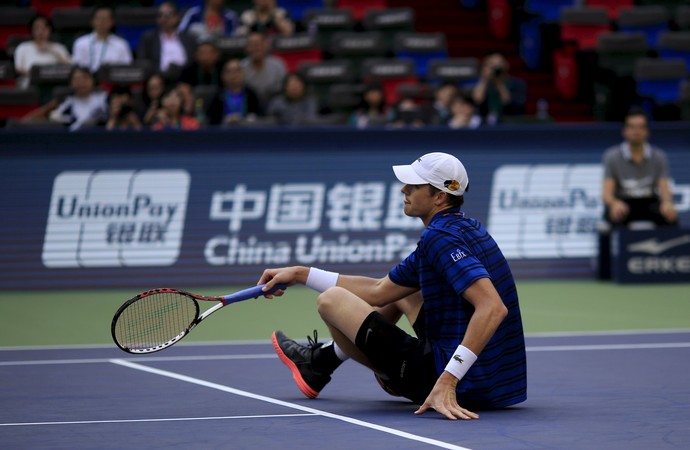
297 49
359 8
183 4
7 76
421 48
13 42
389 73
675 44
670 5
389 22
682 17
583 26
660 79
618 51
500 18
344 98
530 45
231 46
463 72
357 46
548 10
131 22
321 75
297 8
326 22
16 102
70 23
650 20
46 7
613 7
133 75
15 22
46 77
566 73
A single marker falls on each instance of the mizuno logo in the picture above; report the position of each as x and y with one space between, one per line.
654 247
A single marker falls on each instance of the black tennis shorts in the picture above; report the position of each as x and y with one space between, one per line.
404 364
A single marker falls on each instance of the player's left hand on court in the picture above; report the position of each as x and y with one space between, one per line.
443 400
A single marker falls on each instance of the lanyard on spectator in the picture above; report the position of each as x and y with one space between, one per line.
92 51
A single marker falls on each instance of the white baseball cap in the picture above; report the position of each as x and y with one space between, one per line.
441 170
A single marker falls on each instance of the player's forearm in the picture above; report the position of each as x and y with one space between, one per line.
484 323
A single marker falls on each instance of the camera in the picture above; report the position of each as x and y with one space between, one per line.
498 71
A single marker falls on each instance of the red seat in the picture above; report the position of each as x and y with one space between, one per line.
45 7
613 7
583 26
359 8
390 73
14 22
566 72
500 18
16 103
297 49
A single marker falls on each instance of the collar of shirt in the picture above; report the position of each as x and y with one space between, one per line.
627 154
446 213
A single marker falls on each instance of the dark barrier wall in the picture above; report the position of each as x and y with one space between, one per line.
216 208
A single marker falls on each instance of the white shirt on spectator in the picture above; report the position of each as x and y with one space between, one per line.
172 51
82 112
90 52
27 54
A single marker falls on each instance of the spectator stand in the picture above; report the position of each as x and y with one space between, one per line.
299 48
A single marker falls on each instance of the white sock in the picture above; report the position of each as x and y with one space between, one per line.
339 352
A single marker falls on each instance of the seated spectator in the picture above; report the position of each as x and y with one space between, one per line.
372 109
101 46
171 116
295 106
236 102
151 98
266 18
121 113
203 71
438 113
497 93
168 49
407 114
84 108
463 113
211 20
38 51
264 72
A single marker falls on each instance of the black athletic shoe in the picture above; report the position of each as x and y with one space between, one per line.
299 359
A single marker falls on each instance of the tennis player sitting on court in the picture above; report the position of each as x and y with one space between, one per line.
457 291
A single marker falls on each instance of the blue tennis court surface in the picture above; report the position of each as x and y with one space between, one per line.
614 391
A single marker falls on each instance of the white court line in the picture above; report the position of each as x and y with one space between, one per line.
573 348
544 334
171 419
532 348
220 387
141 358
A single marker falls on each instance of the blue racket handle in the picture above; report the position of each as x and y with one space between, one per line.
253 292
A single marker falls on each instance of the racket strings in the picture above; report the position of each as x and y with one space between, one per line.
155 320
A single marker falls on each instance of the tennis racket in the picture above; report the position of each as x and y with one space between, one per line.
156 319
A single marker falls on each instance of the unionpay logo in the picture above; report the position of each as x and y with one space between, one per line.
116 218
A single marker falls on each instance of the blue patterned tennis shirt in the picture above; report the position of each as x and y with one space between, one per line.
454 252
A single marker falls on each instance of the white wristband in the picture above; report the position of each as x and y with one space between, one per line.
460 363
320 280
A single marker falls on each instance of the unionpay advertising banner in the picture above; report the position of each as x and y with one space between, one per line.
217 208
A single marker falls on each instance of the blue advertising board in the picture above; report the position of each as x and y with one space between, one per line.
137 210
651 256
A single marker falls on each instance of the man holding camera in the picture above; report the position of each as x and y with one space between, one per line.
497 93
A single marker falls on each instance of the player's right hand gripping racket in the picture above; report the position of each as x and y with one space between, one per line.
156 319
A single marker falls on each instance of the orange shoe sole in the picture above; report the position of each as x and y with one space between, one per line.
301 384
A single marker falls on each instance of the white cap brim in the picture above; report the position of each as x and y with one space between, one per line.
407 175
